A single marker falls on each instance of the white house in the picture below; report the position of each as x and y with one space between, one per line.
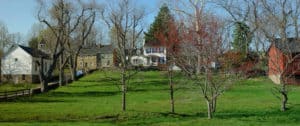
20 64
153 55
156 54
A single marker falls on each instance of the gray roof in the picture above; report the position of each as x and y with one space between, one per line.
106 49
89 51
31 51
93 51
292 45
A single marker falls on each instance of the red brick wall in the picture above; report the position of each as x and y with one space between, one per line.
276 61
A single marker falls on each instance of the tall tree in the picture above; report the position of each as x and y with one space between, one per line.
125 18
61 19
82 33
159 24
242 38
170 39
202 48
5 38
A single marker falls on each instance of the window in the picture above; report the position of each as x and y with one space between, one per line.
108 62
162 60
161 50
154 50
148 50
16 59
135 61
36 67
153 59
23 77
86 64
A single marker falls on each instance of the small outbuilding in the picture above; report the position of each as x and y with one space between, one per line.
21 64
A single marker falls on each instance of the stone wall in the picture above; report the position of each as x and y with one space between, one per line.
19 79
87 63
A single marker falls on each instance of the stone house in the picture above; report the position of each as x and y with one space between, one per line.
95 58
106 56
88 59
20 64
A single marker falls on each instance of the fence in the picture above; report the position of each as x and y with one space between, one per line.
4 96
14 94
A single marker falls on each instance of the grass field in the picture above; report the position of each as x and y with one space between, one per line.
96 100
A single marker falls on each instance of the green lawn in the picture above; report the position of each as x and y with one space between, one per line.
95 100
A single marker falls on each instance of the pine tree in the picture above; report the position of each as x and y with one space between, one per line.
159 24
242 38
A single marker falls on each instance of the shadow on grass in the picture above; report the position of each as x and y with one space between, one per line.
99 80
84 94
146 118
182 115
35 100
291 114
148 89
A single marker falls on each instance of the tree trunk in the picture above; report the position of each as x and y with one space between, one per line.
209 109
44 85
283 91
71 68
214 105
284 98
61 70
74 77
171 91
75 67
43 79
123 89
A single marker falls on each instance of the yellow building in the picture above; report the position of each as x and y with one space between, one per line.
88 59
95 58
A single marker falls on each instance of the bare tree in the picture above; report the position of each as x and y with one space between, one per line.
82 33
125 18
273 21
202 47
206 52
171 41
6 40
279 19
61 22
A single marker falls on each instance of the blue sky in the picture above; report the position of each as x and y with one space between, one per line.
20 15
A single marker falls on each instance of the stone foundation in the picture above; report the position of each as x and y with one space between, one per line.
19 79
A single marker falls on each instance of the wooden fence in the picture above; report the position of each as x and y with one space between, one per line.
7 95
14 94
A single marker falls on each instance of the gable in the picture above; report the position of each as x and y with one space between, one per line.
16 51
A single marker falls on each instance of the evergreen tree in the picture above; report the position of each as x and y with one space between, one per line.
160 23
242 38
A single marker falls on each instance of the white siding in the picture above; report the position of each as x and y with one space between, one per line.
17 62
139 60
